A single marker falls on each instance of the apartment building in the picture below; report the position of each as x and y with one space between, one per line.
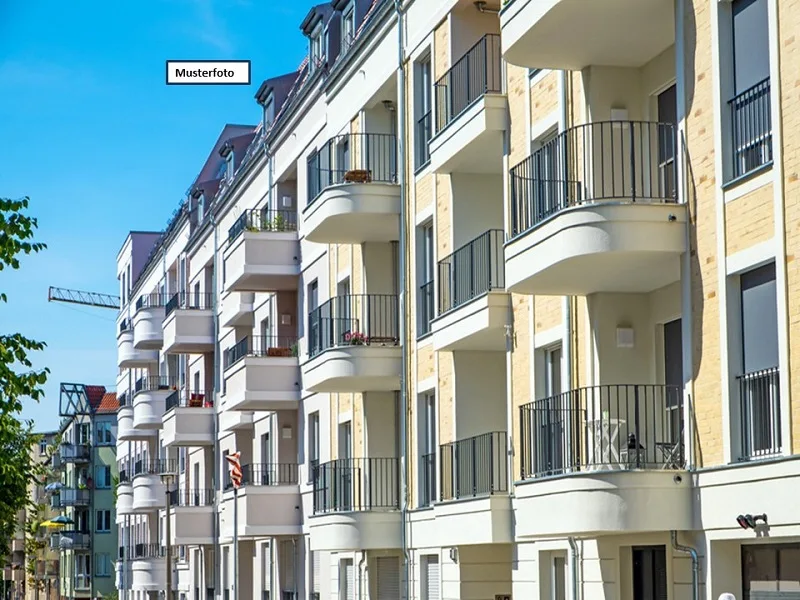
85 474
494 301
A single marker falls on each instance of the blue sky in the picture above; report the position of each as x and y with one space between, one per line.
102 146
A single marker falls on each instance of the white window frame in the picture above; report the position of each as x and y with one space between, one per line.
315 50
348 18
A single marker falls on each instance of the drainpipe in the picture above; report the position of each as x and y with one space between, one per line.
401 176
361 575
217 388
695 563
573 546
272 568
568 300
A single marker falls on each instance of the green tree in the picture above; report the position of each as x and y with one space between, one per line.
18 380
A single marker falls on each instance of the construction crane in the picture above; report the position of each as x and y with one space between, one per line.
55 294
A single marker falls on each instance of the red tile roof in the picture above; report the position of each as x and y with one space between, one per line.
94 394
108 403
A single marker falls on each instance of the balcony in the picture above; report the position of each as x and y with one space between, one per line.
353 191
128 356
125 429
572 34
75 453
263 252
148 331
148 491
192 515
595 210
124 504
606 459
356 505
236 309
189 419
70 540
273 484
473 306
148 567
354 345
149 398
262 373
189 324
760 423
234 420
471 112
70 497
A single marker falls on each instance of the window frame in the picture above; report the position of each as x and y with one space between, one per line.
103 519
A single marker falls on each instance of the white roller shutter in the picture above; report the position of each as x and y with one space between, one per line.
315 572
431 577
388 578
348 585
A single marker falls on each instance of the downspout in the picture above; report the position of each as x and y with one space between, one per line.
568 300
361 575
573 546
217 388
272 568
695 563
401 176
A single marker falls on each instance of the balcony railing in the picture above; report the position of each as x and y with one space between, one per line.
474 466
188 398
154 383
354 320
357 484
272 345
423 137
153 300
190 301
124 476
621 161
77 540
75 452
425 309
760 414
70 497
478 72
146 551
427 479
160 466
266 474
123 398
191 497
603 427
263 219
352 158
471 271
124 325
83 582
751 129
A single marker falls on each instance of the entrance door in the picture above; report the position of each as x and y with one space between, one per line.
347 474
650 573
771 571
551 415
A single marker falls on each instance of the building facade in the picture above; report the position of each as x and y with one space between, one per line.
496 301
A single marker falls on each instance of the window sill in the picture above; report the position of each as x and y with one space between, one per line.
728 185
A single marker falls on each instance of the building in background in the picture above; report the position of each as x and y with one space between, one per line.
84 491
511 302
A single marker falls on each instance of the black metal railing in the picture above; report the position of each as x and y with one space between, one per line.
474 466
123 398
152 300
201 497
426 310
71 539
190 301
124 325
263 219
427 479
145 551
760 413
352 158
423 137
475 269
622 161
354 320
70 497
124 476
266 474
160 466
275 346
188 398
478 72
75 452
751 128
154 383
357 484
634 426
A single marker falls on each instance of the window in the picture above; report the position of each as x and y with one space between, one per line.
430 577
83 571
105 436
427 448
230 165
649 573
42 447
103 476
425 266
102 565
346 579
269 112
201 201
547 180
182 459
533 72
315 55
423 116
82 434
558 578
348 26
313 444
315 572
103 522
264 330
771 569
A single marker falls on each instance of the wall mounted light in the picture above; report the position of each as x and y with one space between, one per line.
750 521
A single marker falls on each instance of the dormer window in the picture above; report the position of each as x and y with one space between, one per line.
316 54
226 152
201 207
269 111
348 26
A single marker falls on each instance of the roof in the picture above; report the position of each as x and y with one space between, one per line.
108 403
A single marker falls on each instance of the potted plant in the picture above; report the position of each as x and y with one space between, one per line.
279 223
356 338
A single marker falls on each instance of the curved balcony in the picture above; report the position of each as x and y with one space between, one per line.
189 419
603 460
125 429
354 345
124 505
148 567
262 373
128 356
353 191
573 34
356 505
263 252
595 210
149 400
148 490
189 323
148 321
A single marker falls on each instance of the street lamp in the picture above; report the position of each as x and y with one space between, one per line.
167 479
